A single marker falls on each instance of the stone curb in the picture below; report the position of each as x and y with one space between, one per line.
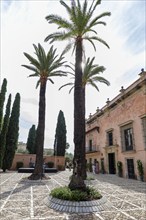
78 207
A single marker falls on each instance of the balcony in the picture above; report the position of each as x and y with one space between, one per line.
92 149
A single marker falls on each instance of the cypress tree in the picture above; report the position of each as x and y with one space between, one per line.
2 100
4 130
31 140
60 136
12 134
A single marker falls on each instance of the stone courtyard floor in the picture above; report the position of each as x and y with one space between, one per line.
24 199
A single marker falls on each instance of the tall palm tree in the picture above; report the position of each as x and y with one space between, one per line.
90 77
46 66
80 24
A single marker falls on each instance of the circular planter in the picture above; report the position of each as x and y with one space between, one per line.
78 207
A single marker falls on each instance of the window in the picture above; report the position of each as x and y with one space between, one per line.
90 145
144 130
127 138
110 138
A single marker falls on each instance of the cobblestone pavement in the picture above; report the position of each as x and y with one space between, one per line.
24 199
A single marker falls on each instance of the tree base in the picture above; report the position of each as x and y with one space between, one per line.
77 183
37 176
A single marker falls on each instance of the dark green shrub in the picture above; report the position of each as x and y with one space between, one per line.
102 167
50 164
60 167
75 195
89 167
140 169
19 164
120 168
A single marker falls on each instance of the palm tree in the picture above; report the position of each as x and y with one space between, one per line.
46 66
80 24
90 77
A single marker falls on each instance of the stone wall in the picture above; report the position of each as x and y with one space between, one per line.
26 158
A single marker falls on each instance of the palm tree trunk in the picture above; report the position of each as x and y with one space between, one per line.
84 173
77 181
38 170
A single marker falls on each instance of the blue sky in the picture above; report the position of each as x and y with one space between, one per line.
23 23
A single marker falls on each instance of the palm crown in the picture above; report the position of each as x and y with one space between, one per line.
46 65
80 25
90 75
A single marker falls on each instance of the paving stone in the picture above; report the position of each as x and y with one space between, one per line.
125 199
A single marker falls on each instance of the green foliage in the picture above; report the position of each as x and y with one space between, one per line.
60 167
120 168
60 136
90 75
102 167
12 134
21 151
31 140
46 65
19 164
80 25
68 156
4 130
89 167
75 195
48 152
2 100
50 164
140 168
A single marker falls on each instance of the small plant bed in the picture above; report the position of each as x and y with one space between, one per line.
65 193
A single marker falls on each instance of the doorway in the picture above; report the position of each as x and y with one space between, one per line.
111 162
130 169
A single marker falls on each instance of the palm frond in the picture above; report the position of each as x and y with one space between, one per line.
93 84
57 73
97 70
33 75
67 48
69 11
37 84
90 40
71 89
100 40
101 79
98 2
32 60
58 20
67 84
93 22
34 69
51 80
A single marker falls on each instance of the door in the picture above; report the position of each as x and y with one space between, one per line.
111 162
130 169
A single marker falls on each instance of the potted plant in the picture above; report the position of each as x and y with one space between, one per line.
102 167
140 170
120 168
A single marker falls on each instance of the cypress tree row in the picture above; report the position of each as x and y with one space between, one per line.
31 140
60 136
4 130
12 134
2 100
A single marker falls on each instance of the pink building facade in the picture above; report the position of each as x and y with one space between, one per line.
117 132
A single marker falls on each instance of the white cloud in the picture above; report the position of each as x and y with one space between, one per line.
23 23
